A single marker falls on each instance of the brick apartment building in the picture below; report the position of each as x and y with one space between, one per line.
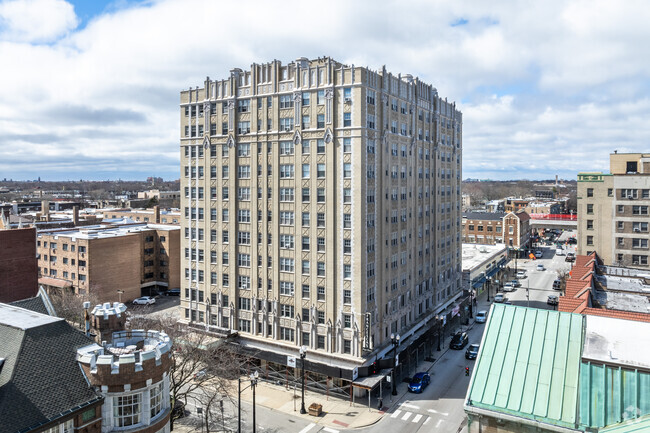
134 258
155 215
512 229
18 265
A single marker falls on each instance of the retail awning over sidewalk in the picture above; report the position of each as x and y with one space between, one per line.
371 382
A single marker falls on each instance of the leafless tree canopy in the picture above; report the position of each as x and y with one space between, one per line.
69 305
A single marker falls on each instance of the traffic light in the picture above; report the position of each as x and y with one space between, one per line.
374 368
466 371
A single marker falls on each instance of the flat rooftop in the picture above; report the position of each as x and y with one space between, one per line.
100 231
21 318
612 341
477 254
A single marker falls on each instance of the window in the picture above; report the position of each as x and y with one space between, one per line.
590 224
305 99
245 325
305 171
639 243
244 303
286 264
347 221
286 241
320 293
590 209
243 127
286 218
244 260
320 269
286 171
305 122
639 259
610 192
347 246
244 194
156 399
127 410
370 97
305 195
347 346
347 170
320 97
305 267
320 220
320 340
320 195
347 321
286 101
286 194
244 172
286 288
286 123
287 334
636 210
590 240
590 192
286 148
347 119
370 121
320 245
305 147
347 145
320 171
243 149
243 105
347 271
320 121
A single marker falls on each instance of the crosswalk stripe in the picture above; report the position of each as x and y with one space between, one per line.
426 420
417 418
309 427
410 406
396 413
330 430
406 416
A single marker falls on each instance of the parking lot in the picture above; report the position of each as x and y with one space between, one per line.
538 284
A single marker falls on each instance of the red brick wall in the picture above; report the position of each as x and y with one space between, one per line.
18 265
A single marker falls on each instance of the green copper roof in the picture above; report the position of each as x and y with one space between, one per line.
641 425
528 365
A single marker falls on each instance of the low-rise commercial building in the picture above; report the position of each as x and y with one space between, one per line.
510 228
547 371
483 267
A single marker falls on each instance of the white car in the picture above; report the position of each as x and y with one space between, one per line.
538 254
498 298
508 287
540 267
521 274
144 300
481 316
559 252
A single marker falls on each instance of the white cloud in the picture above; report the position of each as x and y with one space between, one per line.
35 21
541 85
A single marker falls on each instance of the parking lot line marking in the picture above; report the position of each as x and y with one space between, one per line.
426 420
417 418
396 413
330 430
309 427
410 406
406 416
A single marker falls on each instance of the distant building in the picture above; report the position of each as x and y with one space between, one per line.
512 229
155 215
483 267
595 289
613 211
134 258
515 204
546 371
18 264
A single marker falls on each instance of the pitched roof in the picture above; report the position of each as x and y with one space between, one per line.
40 380
528 365
35 304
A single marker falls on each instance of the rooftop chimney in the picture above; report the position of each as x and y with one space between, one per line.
156 214
75 215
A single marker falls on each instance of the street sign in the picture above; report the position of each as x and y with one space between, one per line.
291 361
366 331
355 373
397 359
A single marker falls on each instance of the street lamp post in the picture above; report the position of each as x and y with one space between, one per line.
488 281
439 331
253 378
395 340
303 354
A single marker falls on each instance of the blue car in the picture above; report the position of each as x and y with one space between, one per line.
419 382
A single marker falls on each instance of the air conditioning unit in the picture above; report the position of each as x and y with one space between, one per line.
630 197
348 100
637 230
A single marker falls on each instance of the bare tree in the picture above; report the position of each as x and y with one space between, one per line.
203 367
69 305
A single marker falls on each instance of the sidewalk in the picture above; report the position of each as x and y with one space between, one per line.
342 413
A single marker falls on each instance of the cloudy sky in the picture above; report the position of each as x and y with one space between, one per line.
90 89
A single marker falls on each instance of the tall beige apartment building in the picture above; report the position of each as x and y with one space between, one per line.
613 211
321 207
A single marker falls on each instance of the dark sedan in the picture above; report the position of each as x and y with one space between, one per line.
472 351
459 340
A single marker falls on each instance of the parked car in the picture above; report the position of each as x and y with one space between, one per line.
552 300
472 351
538 254
508 287
481 316
540 267
516 283
144 300
419 382
173 292
570 257
179 410
459 340
559 252
557 284
521 274
498 297
201 375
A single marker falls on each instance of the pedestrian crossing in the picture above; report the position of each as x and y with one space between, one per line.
408 413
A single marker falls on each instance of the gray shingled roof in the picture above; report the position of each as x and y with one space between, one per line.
492 216
34 304
40 379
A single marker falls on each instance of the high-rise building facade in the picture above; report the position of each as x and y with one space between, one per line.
321 207
613 211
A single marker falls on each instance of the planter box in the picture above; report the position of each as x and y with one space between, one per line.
315 409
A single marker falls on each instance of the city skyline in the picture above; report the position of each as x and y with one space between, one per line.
92 90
